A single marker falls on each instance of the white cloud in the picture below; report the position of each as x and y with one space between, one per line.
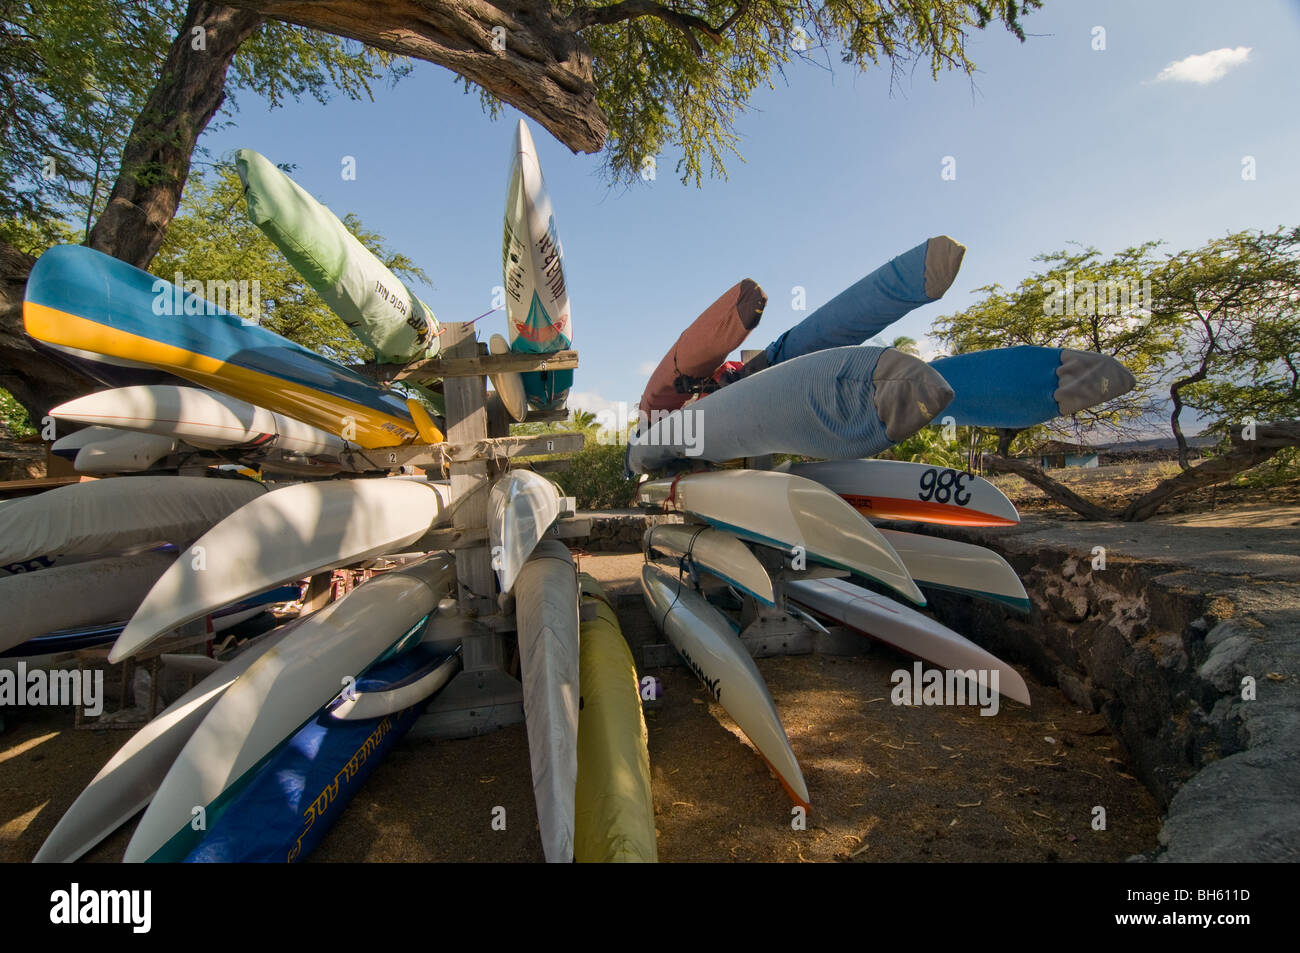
1205 68
646 368
931 350
593 402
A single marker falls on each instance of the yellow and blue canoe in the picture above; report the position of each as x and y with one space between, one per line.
83 300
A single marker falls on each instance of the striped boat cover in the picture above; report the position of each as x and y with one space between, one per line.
839 403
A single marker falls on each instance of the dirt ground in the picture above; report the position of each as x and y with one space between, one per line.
887 783
1114 487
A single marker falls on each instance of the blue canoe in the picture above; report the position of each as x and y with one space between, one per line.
286 805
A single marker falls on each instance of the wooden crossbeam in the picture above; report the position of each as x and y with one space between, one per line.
441 368
488 448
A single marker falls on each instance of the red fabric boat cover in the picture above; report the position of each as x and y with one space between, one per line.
704 345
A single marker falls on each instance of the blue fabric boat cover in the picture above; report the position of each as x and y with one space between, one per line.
1019 387
864 309
283 808
840 403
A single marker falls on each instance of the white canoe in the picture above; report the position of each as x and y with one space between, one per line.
508 384
959 567
897 490
200 417
419 685
284 688
124 452
716 552
80 594
521 508
785 511
128 782
710 649
68 446
281 536
546 615
904 628
109 516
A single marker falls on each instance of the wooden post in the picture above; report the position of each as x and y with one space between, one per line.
467 422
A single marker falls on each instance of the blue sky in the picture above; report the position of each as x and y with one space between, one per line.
1054 142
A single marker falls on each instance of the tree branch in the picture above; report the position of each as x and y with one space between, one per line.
1059 492
543 68
1270 439
686 23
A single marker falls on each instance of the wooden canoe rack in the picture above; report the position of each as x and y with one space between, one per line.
484 696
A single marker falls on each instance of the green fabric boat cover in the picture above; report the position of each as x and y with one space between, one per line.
356 285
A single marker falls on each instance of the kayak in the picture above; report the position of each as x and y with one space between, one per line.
904 628
704 345
787 512
1020 387
80 298
614 814
916 277
705 641
842 402
716 552
538 312
287 534
898 490
546 616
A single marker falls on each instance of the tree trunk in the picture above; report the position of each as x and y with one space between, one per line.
156 159
155 165
544 69
1059 492
1270 439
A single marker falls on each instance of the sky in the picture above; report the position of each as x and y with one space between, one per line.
1054 142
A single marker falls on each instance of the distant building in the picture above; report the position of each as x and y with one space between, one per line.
1058 454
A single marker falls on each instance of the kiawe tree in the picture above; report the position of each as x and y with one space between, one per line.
1214 329
632 77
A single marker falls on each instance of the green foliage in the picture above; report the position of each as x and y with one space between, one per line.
906 344
594 476
211 239
928 445
679 73
1084 301
14 417
1236 301
75 74
1279 471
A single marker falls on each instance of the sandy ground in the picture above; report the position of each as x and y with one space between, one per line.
887 783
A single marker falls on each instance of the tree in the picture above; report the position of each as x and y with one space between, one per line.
1214 328
631 76
1236 301
635 76
906 345
165 92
